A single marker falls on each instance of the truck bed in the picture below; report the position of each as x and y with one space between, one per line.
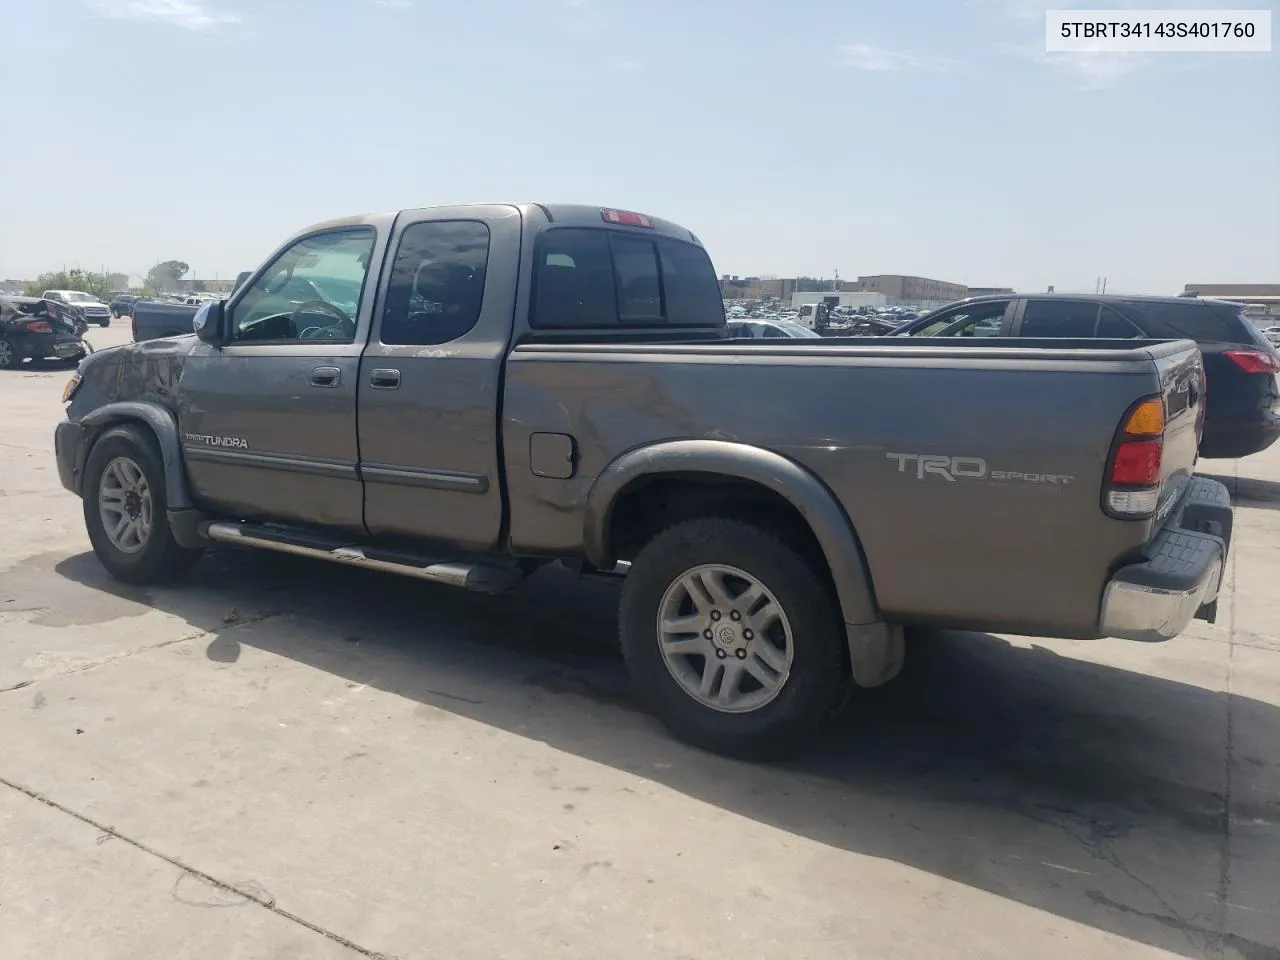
1035 417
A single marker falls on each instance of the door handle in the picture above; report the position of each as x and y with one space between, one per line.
385 378
326 377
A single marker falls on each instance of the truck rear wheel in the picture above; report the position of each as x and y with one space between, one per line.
732 638
125 509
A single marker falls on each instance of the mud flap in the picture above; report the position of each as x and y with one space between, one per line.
876 652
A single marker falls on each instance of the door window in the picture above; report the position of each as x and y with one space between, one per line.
437 282
973 320
1059 318
310 292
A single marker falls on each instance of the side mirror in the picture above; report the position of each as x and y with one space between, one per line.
208 322
241 278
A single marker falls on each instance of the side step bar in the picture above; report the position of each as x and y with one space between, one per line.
483 578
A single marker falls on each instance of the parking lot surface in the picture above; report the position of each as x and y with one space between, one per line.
281 758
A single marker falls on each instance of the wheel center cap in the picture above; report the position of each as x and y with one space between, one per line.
132 504
726 636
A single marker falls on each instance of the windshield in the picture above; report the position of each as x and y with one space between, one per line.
796 330
76 296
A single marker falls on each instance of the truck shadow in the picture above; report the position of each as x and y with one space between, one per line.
1088 791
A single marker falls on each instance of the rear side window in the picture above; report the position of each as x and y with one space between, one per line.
437 283
1200 321
1059 318
598 279
1112 326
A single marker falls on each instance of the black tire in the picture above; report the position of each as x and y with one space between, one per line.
10 358
104 322
161 558
819 677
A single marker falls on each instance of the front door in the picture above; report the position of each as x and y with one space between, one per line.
268 420
430 379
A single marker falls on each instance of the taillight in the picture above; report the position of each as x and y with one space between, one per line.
39 326
1253 361
1133 473
626 218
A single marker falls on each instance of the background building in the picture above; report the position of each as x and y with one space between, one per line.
896 287
988 291
756 288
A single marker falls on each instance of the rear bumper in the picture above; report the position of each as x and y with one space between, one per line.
1241 438
1156 599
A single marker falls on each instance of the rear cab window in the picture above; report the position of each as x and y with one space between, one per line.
596 278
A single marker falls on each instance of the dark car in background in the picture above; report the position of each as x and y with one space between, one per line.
1242 412
32 328
122 304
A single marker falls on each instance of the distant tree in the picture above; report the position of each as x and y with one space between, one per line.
117 281
95 284
165 275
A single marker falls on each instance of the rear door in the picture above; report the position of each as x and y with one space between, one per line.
431 376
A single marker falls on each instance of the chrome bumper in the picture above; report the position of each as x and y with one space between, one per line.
1178 581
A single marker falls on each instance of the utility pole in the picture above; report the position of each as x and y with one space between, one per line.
1104 284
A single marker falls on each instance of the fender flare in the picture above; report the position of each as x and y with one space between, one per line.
804 491
162 424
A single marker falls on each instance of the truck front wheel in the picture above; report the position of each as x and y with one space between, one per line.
125 509
733 638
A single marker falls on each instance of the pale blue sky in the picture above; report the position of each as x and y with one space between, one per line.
930 137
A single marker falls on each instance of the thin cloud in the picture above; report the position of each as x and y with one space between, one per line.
1091 70
863 56
187 14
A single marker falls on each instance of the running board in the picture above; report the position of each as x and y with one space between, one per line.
480 577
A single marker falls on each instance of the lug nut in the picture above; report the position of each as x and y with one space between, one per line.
707 634
715 614
735 615
740 654
748 635
720 654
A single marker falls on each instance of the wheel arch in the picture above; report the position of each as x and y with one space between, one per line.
162 425
720 461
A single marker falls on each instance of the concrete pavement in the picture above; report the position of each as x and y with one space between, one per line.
282 758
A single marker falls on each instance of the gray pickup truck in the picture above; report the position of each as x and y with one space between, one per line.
463 394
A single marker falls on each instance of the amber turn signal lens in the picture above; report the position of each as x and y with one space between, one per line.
69 390
1147 419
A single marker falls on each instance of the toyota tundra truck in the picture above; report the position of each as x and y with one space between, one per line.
464 394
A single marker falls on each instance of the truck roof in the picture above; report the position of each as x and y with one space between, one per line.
560 214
